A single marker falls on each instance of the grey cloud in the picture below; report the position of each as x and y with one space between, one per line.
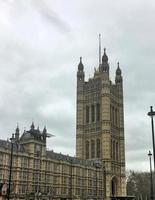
38 66
51 16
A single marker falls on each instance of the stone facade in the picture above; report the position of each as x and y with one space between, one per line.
41 174
100 124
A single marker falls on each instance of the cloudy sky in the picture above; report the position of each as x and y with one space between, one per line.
40 45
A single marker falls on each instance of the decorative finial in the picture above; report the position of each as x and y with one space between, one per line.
80 66
17 128
32 125
104 57
44 130
118 70
17 132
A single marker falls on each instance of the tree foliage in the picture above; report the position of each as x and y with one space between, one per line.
138 185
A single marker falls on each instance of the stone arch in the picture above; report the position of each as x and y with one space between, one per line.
114 186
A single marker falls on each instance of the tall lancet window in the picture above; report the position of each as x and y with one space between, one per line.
110 113
113 115
92 149
92 113
116 117
98 112
87 149
113 148
87 114
117 153
98 150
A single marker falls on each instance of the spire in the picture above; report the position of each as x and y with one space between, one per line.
118 70
17 128
99 49
80 66
44 134
38 129
105 66
80 72
104 57
44 130
17 132
118 78
32 126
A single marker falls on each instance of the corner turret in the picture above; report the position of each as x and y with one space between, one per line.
17 133
104 57
105 65
32 126
80 73
44 133
118 78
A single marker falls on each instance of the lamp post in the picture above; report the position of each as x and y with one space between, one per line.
10 169
151 179
151 114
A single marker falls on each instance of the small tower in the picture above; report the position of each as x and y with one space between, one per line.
80 73
32 126
104 67
17 133
100 124
44 134
80 106
118 78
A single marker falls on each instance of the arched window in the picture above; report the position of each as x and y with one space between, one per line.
117 153
98 148
87 149
113 117
113 148
114 187
111 113
92 149
92 113
87 114
97 112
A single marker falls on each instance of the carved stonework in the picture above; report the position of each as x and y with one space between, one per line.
99 89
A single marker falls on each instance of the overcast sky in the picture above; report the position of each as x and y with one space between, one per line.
40 45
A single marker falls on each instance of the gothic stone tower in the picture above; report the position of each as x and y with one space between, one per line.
100 123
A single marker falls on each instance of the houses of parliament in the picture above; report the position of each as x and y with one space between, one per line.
97 171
